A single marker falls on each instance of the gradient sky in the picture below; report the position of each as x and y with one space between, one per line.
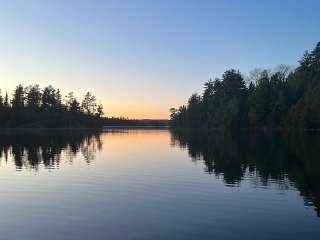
142 57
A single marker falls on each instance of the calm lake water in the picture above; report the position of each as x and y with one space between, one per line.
154 184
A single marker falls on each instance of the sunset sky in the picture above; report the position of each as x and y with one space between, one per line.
142 57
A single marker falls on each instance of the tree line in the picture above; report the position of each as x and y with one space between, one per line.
35 107
283 98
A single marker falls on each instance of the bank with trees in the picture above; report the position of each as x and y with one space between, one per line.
283 98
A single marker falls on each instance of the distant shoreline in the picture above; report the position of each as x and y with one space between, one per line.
80 128
135 126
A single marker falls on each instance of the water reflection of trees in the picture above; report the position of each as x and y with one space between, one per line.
284 159
32 148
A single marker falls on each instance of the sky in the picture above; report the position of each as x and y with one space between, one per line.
140 58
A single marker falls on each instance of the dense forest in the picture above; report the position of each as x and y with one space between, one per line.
283 98
35 107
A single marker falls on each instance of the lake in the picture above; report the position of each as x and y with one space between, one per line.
157 184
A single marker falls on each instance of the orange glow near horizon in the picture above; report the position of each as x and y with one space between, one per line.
135 111
128 107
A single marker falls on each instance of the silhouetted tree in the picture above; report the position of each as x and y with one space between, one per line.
33 99
6 101
283 98
34 107
72 103
89 104
99 112
18 98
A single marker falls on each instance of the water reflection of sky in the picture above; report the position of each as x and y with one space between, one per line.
145 184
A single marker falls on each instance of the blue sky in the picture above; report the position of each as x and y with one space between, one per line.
142 57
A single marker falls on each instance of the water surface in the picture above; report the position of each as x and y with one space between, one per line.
153 184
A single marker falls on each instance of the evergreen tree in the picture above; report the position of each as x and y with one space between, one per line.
34 107
284 98
89 104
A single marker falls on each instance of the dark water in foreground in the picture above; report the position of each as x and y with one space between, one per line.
153 184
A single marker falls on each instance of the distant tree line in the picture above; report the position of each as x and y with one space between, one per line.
126 122
35 107
284 98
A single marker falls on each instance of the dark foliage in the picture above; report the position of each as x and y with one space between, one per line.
35 107
125 122
281 99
